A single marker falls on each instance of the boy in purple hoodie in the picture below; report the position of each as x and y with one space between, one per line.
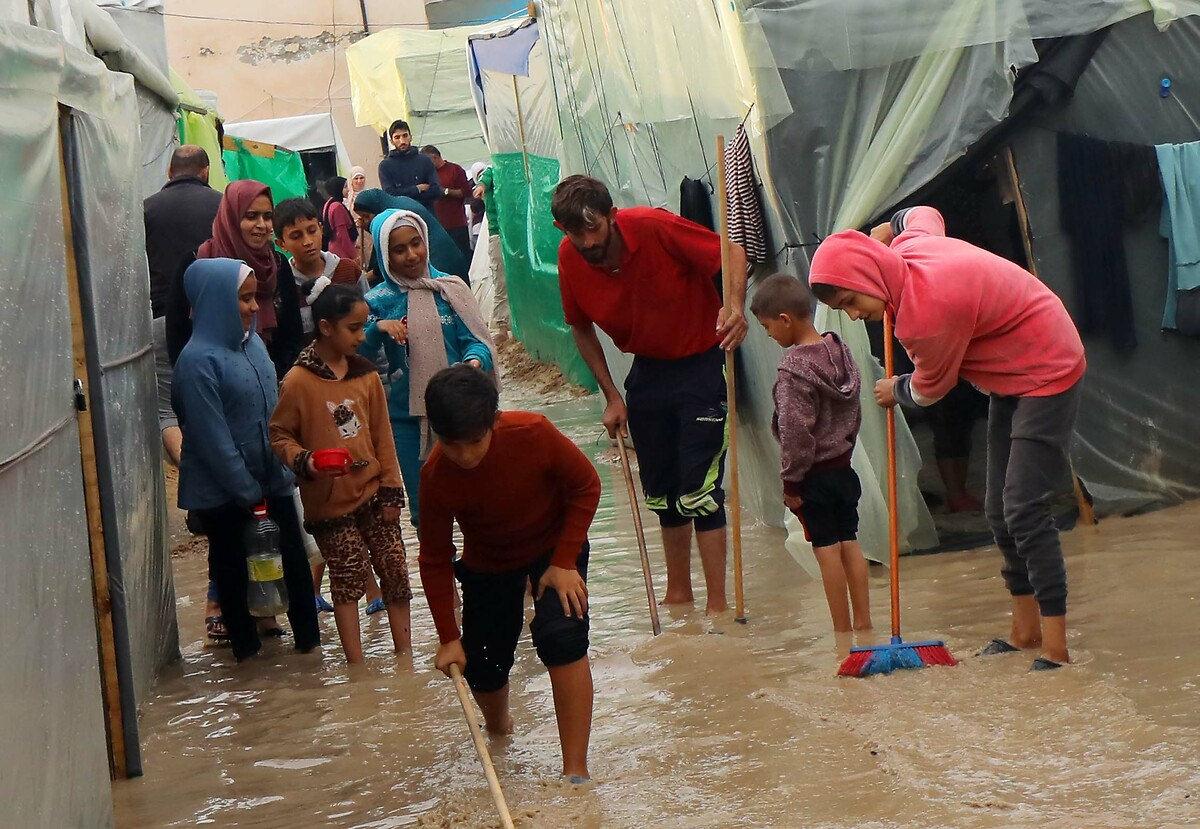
816 422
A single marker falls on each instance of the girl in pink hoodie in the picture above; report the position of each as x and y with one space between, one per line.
961 311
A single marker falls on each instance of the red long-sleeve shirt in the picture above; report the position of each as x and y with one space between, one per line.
533 493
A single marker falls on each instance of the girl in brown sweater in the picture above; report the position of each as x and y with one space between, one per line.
333 399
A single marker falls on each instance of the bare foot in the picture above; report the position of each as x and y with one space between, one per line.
1026 630
678 598
716 606
860 627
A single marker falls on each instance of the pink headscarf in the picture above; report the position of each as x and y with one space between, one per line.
227 242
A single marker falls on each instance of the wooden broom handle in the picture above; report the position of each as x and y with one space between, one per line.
889 367
489 770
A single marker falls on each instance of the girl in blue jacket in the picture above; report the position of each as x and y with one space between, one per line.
425 320
224 388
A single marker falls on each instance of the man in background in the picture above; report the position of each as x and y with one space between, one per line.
178 220
406 172
451 208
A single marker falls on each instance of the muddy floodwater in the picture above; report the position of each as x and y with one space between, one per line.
716 724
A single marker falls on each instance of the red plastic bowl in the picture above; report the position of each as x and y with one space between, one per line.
332 460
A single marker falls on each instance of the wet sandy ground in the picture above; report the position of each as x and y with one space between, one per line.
715 724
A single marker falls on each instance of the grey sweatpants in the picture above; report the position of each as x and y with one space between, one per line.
1028 441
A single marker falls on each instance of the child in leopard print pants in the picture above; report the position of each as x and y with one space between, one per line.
333 402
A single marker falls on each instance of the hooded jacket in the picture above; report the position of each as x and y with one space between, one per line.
287 338
817 412
224 393
444 254
388 301
402 170
959 311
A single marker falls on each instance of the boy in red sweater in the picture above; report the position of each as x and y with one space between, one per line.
524 496
816 422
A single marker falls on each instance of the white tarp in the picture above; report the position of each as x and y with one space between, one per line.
299 133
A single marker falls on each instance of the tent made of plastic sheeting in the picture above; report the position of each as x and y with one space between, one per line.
419 76
1136 444
197 123
87 583
301 133
642 139
522 126
850 107
141 22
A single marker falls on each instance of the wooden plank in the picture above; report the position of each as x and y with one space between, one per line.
101 597
1087 514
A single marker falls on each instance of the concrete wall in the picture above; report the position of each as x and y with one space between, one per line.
272 70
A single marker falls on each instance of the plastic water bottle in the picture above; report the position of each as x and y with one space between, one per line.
266 593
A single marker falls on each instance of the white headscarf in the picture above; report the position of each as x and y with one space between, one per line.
426 345
351 193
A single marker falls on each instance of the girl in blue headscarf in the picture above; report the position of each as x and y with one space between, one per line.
224 392
425 320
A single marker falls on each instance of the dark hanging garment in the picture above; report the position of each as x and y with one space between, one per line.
1101 184
694 202
747 226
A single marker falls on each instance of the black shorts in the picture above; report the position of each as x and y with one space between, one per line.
677 420
493 613
829 508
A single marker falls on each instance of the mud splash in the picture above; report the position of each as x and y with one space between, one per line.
716 724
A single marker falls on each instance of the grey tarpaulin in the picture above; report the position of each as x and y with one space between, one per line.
141 22
1136 443
116 287
52 735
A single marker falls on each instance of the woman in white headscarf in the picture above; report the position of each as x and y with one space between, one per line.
424 320
355 184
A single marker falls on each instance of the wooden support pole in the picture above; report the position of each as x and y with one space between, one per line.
1087 515
101 598
521 129
734 499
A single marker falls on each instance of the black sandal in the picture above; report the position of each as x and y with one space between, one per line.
997 647
215 627
1044 664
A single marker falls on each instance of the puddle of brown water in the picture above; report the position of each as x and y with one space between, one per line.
715 724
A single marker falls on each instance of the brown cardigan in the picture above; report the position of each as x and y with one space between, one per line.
318 411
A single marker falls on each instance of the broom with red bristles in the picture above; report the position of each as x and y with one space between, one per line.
896 654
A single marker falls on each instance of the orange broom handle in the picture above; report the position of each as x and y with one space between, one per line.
889 367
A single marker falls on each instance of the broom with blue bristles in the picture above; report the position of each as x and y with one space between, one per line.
896 654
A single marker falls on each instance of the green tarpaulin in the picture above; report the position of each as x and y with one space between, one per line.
530 240
281 170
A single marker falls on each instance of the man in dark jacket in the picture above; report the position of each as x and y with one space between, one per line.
178 219
406 171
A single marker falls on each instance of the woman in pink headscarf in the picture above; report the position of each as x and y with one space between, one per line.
243 229
961 311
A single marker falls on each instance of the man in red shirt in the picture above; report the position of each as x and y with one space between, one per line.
451 208
648 279
524 496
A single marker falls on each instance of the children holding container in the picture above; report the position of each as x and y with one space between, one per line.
333 400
